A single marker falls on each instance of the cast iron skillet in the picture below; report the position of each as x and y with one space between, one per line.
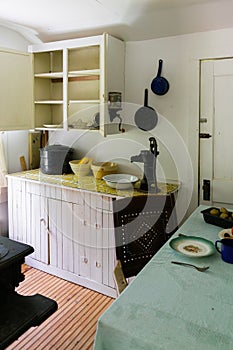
160 85
146 117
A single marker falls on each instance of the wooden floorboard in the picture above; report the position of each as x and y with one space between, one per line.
73 325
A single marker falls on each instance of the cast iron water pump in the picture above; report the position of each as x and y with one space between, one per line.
148 158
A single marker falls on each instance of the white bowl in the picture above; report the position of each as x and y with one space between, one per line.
80 169
120 181
101 169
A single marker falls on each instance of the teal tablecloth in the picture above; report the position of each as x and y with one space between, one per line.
171 307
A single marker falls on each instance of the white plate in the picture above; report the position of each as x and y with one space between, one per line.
120 181
192 246
51 126
227 233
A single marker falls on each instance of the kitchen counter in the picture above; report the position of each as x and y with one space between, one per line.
69 222
89 183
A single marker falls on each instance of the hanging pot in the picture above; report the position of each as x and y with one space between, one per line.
146 117
160 85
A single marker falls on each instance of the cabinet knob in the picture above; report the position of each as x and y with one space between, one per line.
97 264
97 225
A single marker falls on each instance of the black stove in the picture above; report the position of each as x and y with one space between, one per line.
17 312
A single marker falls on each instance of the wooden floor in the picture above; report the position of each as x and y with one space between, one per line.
73 325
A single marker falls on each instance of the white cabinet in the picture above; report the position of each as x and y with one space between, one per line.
24 226
72 79
71 231
16 98
61 84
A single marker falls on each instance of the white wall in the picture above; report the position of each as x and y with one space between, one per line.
12 40
181 55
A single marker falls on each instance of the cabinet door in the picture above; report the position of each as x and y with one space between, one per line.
55 232
16 105
17 215
66 226
37 226
108 242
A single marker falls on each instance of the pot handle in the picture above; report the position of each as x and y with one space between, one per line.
146 98
160 68
216 246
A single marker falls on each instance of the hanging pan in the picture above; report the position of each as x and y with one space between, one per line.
146 117
160 85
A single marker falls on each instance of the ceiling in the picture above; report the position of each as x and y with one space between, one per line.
127 19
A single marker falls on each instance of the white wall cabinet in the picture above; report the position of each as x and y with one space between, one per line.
61 84
72 79
71 231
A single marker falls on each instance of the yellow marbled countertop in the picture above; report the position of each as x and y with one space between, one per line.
89 183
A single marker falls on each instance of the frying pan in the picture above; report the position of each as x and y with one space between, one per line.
146 117
160 85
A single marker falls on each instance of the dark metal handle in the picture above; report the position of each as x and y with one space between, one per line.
216 246
160 68
203 135
146 98
206 190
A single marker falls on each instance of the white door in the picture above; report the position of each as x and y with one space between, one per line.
216 133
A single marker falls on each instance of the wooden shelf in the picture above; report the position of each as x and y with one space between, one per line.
84 101
86 72
49 75
73 77
49 102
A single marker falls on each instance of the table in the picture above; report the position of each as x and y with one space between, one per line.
171 307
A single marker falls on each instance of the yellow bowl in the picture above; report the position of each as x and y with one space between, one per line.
80 169
100 169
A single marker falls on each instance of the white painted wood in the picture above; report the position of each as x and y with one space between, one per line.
55 234
67 236
16 105
86 282
77 232
78 100
109 253
96 240
71 231
85 256
72 43
216 107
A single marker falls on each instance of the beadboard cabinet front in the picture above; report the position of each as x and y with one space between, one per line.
71 231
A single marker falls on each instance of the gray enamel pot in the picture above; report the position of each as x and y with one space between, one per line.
160 85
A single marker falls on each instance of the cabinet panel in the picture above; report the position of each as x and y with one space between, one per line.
16 213
67 236
37 226
16 99
55 232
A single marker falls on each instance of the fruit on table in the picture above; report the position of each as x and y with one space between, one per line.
223 210
214 212
223 215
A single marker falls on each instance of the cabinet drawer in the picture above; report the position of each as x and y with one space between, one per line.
72 196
